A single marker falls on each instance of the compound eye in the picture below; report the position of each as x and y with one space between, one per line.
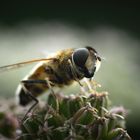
80 56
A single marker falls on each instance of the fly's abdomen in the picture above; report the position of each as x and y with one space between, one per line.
23 97
32 86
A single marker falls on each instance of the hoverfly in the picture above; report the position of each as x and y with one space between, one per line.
61 69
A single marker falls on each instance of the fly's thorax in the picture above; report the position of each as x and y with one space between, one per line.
61 73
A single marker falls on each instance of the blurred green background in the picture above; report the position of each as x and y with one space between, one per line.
33 30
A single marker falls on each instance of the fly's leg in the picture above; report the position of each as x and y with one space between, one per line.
73 69
45 82
94 84
91 85
29 93
49 85
88 84
52 92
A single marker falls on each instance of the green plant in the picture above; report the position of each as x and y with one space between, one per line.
75 117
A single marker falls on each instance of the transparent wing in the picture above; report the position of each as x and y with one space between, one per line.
21 64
